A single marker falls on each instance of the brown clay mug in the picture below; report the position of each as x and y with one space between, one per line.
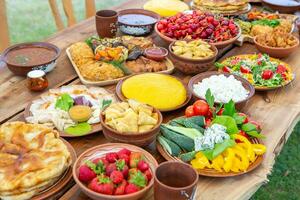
106 23
175 180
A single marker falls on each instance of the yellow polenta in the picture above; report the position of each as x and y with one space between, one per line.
158 90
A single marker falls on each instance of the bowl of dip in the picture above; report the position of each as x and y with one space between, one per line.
24 57
137 22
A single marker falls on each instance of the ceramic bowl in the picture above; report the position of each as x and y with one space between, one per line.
283 6
156 56
218 45
246 84
137 29
138 139
22 70
277 52
101 150
192 66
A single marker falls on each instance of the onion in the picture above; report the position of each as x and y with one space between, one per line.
81 100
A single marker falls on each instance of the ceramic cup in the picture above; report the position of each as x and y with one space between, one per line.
175 180
106 23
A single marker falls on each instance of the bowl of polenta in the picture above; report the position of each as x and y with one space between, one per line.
164 92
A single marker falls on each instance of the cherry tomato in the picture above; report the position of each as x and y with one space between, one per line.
201 108
257 125
280 69
267 74
226 69
209 113
242 133
246 117
283 75
207 122
189 112
220 111
244 69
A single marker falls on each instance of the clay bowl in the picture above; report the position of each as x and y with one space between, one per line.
22 70
137 29
192 66
283 6
198 78
101 150
123 98
218 45
277 52
138 139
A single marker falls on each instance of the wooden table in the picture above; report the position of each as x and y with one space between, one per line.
277 110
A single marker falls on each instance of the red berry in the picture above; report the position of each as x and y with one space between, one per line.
210 19
116 177
111 157
102 185
160 26
148 174
164 22
131 188
124 151
143 166
110 168
86 174
120 189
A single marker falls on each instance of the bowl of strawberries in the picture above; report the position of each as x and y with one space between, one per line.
115 171
218 31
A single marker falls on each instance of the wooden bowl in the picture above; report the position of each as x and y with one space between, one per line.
218 45
123 98
192 66
276 52
103 149
140 29
246 84
283 6
22 70
138 139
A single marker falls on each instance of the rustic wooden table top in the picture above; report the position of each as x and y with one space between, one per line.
277 110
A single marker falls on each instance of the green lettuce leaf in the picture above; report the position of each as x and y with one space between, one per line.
218 149
64 102
79 129
228 122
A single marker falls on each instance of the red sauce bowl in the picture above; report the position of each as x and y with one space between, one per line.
156 53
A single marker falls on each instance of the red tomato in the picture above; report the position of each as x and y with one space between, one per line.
201 108
207 122
246 117
242 133
245 70
220 111
267 74
280 69
226 69
283 75
258 127
189 112
209 114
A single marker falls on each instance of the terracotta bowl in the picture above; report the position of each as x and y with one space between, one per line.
218 45
22 70
138 139
282 7
192 66
101 150
137 30
247 85
276 52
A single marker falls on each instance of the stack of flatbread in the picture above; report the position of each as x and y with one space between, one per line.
32 158
222 6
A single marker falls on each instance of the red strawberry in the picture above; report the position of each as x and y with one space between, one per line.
134 158
121 166
142 166
120 189
148 174
86 174
110 168
116 177
131 188
124 151
103 159
138 178
111 157
125 157
102 184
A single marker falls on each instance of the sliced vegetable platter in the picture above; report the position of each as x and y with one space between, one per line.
262 71
216 141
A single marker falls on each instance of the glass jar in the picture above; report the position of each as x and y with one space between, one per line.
36 80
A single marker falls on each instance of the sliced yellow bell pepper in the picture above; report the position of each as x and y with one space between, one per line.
200 162
236 165
259 149
250 152
228 159
241 153
217 163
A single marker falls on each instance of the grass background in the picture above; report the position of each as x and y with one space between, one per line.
32 20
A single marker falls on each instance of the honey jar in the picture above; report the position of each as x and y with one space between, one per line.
36 80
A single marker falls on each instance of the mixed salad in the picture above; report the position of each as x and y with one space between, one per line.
259 69
218 138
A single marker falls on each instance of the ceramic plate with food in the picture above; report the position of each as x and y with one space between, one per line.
161 91
43 164
217 141
73 110
106 61
262 71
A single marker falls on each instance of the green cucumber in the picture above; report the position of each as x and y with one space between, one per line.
187 157
189 132
169 146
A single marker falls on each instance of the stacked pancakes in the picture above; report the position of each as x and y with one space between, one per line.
32 158
221 6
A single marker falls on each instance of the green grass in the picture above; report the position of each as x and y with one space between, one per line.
31 20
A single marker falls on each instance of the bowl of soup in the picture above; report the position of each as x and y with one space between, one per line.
137 22
24 57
